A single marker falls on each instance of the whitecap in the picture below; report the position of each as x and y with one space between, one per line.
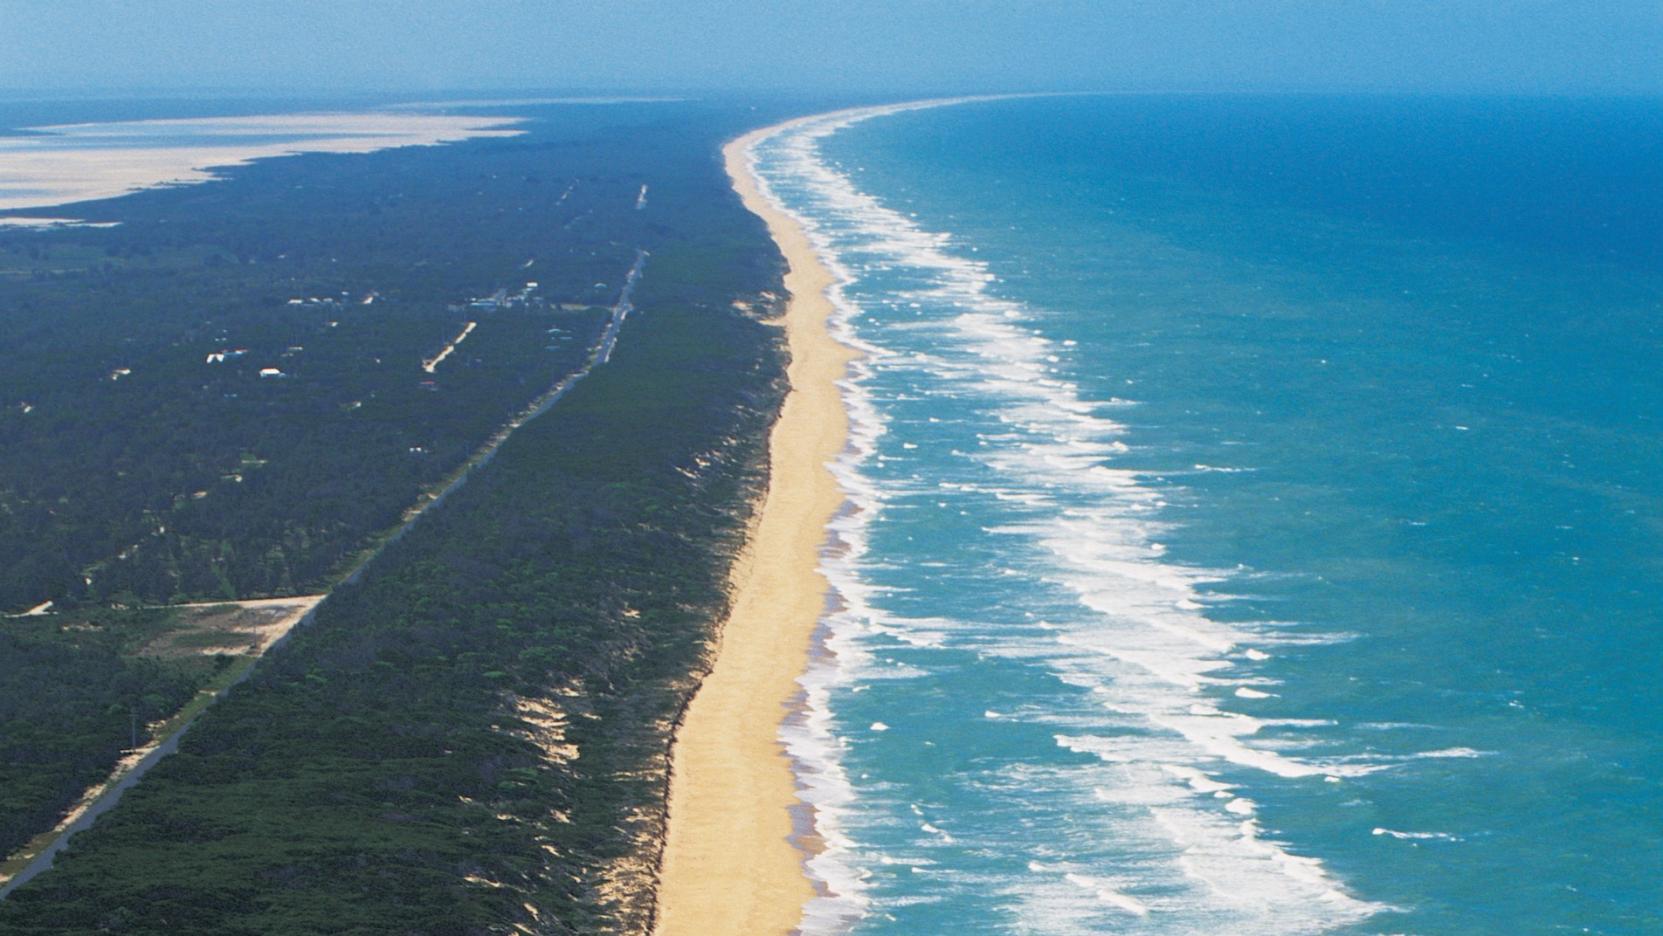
1137 643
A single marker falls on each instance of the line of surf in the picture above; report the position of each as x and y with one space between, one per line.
737 841
838 899
1142 644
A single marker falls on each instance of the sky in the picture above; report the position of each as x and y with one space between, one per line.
899 47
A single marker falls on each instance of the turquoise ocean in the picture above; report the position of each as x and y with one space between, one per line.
1255 516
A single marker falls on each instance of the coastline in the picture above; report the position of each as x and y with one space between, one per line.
732 862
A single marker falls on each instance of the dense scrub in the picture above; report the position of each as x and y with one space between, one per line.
473 738
138 464
192 477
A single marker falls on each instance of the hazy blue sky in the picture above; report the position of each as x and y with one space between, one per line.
896 47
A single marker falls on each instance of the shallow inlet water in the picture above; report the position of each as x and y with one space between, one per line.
64 163
1259 512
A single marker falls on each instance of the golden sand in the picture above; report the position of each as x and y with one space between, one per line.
730 866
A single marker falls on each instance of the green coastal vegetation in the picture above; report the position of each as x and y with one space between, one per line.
225 395
147 460
75 692
83 690
472 735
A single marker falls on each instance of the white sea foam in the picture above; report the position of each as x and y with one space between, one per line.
1108 894
1153 669
1417 836
1451 752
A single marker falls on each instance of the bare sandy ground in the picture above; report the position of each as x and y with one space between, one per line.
432 364
730 865
277 617
79 162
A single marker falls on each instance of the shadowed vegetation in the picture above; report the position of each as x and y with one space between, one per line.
474 736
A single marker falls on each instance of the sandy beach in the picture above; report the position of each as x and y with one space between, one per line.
730 865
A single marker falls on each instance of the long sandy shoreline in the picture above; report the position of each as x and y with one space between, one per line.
730 864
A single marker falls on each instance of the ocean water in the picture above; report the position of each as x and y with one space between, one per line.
1255 516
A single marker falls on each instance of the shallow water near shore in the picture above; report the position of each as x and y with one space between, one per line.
1259 510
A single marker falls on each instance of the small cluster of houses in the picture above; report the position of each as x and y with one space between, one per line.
333 300
503 299
231 354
